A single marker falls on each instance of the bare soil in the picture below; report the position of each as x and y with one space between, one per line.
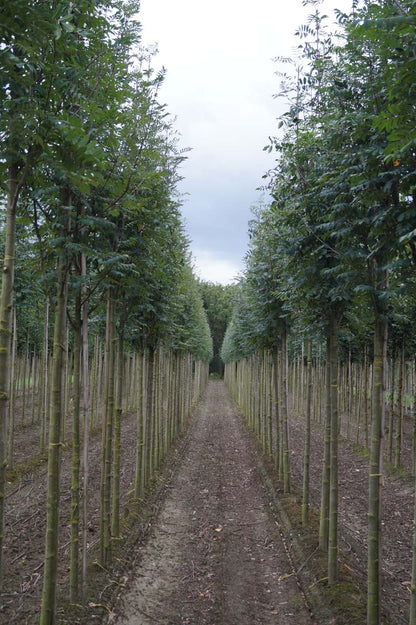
216 553
26 519
397 513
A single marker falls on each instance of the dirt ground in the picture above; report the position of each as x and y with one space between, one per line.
397 515
215 554
26 517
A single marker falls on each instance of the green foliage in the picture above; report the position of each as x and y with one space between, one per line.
343 188
218 303
191 326
103 135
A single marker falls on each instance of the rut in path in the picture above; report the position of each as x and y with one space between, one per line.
215 556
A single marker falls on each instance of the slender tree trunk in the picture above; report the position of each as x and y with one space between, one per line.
145 419
402 400
139 438
115 519
148 469
155 419
333 481
48 616
26 371
376 459
414 418
75 482
367 394
44 401
86 420
12 404
96 369
285 416
34 394
412 615
358 386
349 403
6 302
306 462
391 409
66 374
326 469
107 434
269 404
276 382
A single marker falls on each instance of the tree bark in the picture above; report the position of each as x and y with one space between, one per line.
324 516
86 421
12 384
75 482
47 616
333 480
285 416
391 408
306 461
6 303
115 518
399 434
412 615
107 434
276 408
139 438
376 458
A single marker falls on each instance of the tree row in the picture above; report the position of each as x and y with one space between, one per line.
100 313
332 258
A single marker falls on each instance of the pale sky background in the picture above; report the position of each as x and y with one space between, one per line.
219 85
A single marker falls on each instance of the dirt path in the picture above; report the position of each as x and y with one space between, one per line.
215 556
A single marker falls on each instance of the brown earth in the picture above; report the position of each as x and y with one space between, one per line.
215 553
397 514
26 517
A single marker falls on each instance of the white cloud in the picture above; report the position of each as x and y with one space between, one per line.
210 267
220 81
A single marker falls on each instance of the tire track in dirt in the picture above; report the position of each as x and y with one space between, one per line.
215 556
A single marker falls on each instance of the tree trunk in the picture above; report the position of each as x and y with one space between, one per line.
399 434
86 421
349 403
150 416
324 517
44 400
6 302
391 409
412 616
333 480
139 438
107 434
276 408
115 519
306 462
12 384
376 459
47 616
269 404
26 371
285 416
34 393
75 482
367 397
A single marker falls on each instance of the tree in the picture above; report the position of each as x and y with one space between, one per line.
218 302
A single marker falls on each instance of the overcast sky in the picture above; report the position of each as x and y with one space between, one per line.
219 85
